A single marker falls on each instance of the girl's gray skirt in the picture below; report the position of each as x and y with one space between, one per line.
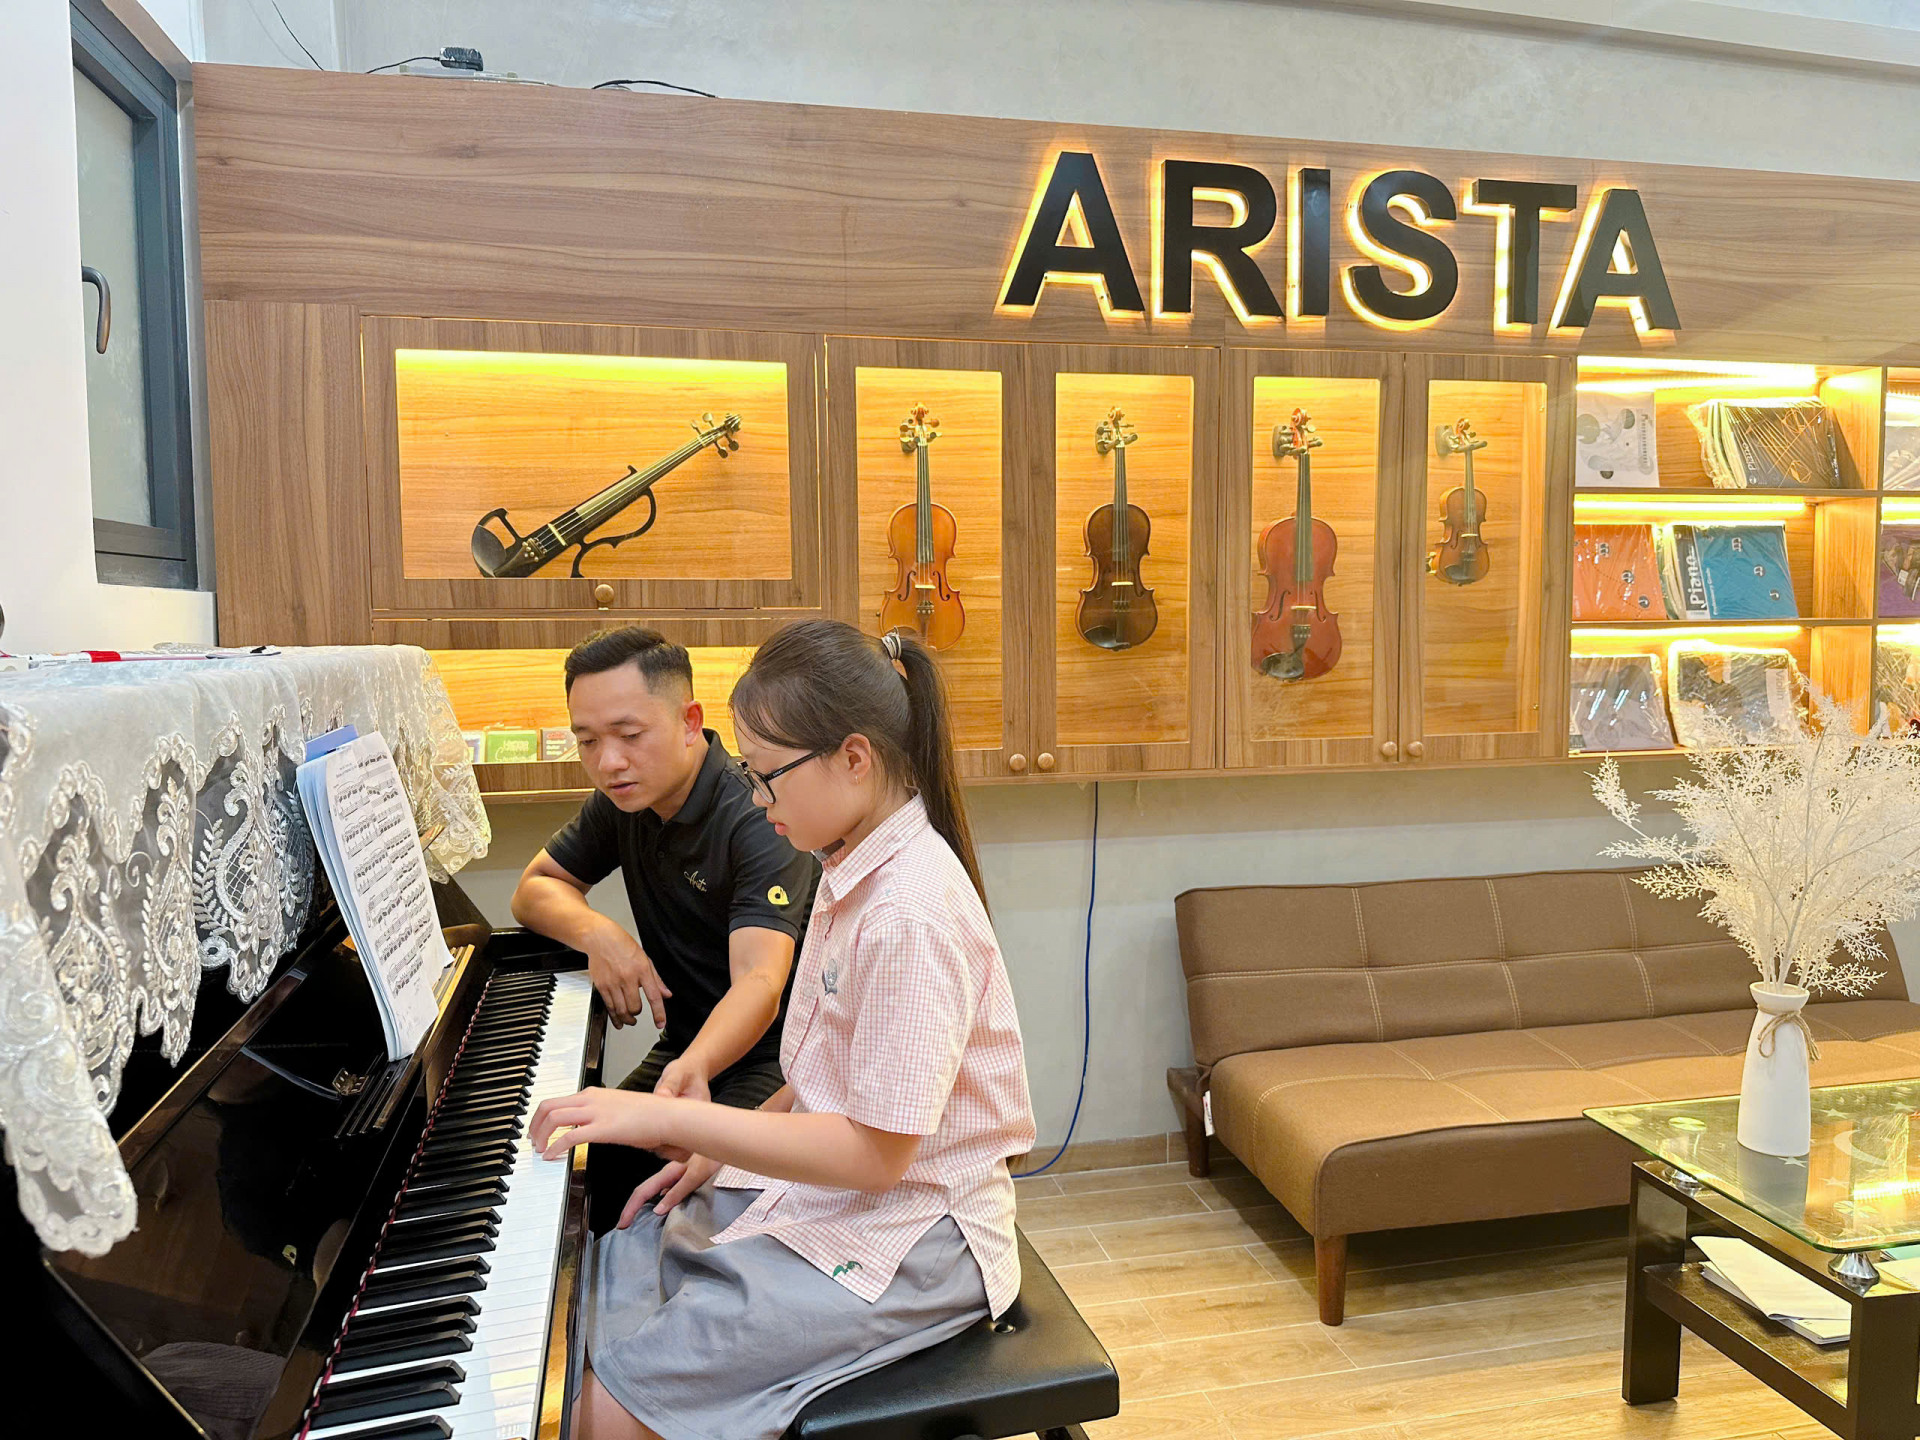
729 1342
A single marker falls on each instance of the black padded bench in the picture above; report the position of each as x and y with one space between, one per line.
1037 1370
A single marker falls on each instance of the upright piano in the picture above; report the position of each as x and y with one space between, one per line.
330 1244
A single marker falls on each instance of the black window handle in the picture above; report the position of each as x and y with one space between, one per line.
102 326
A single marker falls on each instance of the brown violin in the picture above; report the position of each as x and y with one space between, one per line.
1296 637
1462 556
920 538
1117 612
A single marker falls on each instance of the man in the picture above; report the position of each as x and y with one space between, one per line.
719 898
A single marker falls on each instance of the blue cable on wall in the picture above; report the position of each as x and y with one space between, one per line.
1086 990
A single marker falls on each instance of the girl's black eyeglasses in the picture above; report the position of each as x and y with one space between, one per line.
762 785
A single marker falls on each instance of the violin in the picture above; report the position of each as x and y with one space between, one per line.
920 538
1117 611
1462 556
1295 637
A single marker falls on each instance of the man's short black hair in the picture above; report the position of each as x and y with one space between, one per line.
657 658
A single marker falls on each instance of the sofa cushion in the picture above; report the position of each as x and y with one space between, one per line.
1269 966
1378 1135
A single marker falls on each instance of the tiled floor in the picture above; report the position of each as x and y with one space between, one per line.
1203 1291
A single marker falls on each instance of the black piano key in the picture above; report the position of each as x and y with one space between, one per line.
498 1153
418 1231
479 1097
449 1311
478 1127
375 1397
432 1281
424 1427
451 1202
450 1247
498 1053
459 1177
518 1073
419 1345
475 1210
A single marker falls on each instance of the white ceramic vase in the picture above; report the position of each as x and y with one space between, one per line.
1776 1103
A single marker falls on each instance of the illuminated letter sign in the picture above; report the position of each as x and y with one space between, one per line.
1518 204
1072 199
1380 233
1614 260
1223 249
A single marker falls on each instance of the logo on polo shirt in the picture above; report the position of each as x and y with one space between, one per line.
697 881
844 1266
778 894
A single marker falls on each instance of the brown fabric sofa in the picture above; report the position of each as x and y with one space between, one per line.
1418 1052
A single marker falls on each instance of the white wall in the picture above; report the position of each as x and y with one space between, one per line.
47 585
1501 82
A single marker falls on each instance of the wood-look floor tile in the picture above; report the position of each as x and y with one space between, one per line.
1033 1189
1231 1192
1067 1247
1133 1176
1123 1324
1177 1417
1155 1275
1483 1237
1108 1207
1181 1367
1449 1282
1398 1335
1235 1309
1100 1155
1205 1231
1714 1405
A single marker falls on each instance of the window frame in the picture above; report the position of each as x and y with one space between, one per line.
163 553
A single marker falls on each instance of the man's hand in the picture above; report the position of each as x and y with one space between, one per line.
599 1117
672 1183
622 973
684 1078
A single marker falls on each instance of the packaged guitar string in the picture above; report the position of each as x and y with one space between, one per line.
1899 571
1725 693
1726 572
1615 441
1767 444
1617 703
1616 573
1896 685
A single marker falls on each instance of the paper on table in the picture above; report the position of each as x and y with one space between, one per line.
1763 1283
364 831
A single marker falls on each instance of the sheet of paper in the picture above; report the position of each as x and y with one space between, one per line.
1768 1285
364 829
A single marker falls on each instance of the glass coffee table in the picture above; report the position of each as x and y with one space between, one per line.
1826 1216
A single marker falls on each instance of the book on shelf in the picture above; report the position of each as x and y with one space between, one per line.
1899 571
364 831
1752 691
1902 468
1767 444
1615 440
1617 703
1727 572
1616 573
1768 1288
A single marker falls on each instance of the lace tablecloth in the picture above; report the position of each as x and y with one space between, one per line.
150 830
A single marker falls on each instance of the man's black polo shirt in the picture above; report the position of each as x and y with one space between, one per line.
693 880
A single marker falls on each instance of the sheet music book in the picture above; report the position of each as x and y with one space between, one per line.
1763 1284
1616 440
1767 444
364 832
1727 572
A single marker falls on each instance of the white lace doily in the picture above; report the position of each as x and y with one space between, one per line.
150 830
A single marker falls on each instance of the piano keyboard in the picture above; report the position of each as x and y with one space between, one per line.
449 1339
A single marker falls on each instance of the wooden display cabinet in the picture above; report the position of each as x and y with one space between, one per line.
968 402
469 418
1109 692
1484 607
1283 709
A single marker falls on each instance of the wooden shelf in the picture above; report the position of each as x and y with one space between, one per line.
1802 623
1712 494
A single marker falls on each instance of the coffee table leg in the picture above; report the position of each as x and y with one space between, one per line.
1650 1349
1883 1367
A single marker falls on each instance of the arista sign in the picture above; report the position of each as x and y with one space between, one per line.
1072 237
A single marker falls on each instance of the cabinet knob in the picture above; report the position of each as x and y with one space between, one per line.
1416 749
1388 749
1017 764
603 595
1045 761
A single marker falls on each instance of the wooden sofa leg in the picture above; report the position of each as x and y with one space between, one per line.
1186 1085
1330 1277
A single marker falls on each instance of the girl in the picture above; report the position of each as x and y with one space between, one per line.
865 1211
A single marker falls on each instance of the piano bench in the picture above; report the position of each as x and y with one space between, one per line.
1038 1369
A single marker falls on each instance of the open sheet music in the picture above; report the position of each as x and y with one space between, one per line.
364 831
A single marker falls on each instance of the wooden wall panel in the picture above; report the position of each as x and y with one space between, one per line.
289 488
422 196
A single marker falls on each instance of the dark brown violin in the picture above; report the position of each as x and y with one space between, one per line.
1462 556
1117 612
921 537
1296 637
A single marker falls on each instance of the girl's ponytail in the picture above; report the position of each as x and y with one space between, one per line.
936 771
818 681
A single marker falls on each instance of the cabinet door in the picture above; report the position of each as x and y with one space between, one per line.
1310 675
947 559
542 438
1487 460
1124 520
